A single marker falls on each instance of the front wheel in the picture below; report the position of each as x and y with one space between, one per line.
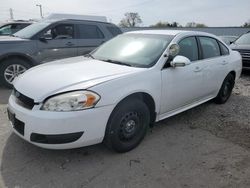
127 125
10 69
225 90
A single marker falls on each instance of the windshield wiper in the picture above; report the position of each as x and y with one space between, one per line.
89 55
117 62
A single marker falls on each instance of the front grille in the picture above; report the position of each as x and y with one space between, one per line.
245 54
55 139
23 100
17 124
246 63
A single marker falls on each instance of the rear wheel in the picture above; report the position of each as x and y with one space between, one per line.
127 125
226 89
10 69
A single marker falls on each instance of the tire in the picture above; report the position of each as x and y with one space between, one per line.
225 90
127 125
10 69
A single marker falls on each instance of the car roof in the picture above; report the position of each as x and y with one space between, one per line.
228 36
170 32
72 20
15 22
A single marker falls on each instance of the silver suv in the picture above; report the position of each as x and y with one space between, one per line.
49 40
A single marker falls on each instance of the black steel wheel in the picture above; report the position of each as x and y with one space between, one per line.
127 125
226 89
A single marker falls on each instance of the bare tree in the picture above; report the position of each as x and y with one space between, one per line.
246 24
193 24
165 24
160 24
131 19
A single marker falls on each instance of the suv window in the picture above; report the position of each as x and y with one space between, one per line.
5 30
21 26
17 27
90 32
224 49
210 47
114 30
62 31
189 48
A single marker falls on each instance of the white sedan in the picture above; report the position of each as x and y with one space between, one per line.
116 92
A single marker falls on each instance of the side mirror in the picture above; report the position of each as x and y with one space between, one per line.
43 39
180 61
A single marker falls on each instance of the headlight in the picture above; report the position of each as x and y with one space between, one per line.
72 101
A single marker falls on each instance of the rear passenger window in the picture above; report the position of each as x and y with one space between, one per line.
90 32
224 49
189 48
210 47
114 30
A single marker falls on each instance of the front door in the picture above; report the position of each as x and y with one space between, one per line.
182 86
57 42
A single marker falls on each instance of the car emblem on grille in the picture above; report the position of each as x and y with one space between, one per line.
17 94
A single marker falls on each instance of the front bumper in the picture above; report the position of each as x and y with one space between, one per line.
91 123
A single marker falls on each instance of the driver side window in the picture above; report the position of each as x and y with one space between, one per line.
189 48
63 31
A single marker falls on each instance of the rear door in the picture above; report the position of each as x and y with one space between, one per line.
89 37
215 65
114 30
57 42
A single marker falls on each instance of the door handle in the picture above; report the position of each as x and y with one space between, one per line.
70 44
224 62
197 69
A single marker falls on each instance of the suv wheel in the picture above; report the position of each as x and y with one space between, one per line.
10 69
127 125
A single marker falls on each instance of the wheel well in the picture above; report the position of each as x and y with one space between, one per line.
26 59
233 73
148 100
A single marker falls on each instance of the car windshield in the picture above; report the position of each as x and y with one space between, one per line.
139 50
244 39
31 30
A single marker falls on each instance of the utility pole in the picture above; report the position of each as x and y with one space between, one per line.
11 14
41 10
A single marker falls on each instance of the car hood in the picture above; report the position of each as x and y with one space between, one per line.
239 47
10 39
69 74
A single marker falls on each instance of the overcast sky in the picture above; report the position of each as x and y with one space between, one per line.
209 12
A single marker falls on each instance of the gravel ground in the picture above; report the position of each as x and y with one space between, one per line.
231 120
208 146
